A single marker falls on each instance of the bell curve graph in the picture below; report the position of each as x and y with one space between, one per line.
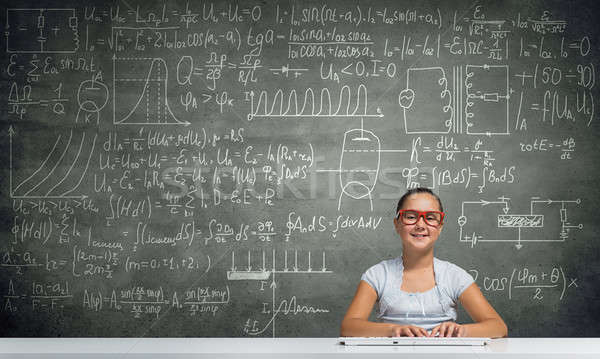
140 92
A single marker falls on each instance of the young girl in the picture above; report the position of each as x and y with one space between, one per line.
417 292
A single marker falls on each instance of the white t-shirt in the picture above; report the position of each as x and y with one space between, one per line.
427 309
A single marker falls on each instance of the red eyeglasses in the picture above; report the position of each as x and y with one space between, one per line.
411 216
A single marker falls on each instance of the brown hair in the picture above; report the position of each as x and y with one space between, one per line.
415 191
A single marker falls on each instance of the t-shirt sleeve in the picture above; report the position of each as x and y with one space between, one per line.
375 277
458 280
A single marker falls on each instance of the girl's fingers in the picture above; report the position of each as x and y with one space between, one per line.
458 331
448 330
418 331
454 330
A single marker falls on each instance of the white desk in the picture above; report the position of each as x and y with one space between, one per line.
104 348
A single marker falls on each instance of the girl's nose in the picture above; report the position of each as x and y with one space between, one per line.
420 222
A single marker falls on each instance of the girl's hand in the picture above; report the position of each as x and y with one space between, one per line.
449 329
408 331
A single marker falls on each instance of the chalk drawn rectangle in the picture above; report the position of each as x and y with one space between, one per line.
520 221
253 275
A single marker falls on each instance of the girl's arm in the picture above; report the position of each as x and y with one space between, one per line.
488 321
356 323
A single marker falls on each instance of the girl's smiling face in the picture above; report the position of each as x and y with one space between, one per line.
419 236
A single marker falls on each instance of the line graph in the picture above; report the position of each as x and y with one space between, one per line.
61 172
289 104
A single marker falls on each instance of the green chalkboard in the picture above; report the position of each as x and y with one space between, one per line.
219 168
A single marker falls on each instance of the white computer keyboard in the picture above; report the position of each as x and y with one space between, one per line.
414 341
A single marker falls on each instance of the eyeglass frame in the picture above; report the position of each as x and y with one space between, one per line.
419 215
